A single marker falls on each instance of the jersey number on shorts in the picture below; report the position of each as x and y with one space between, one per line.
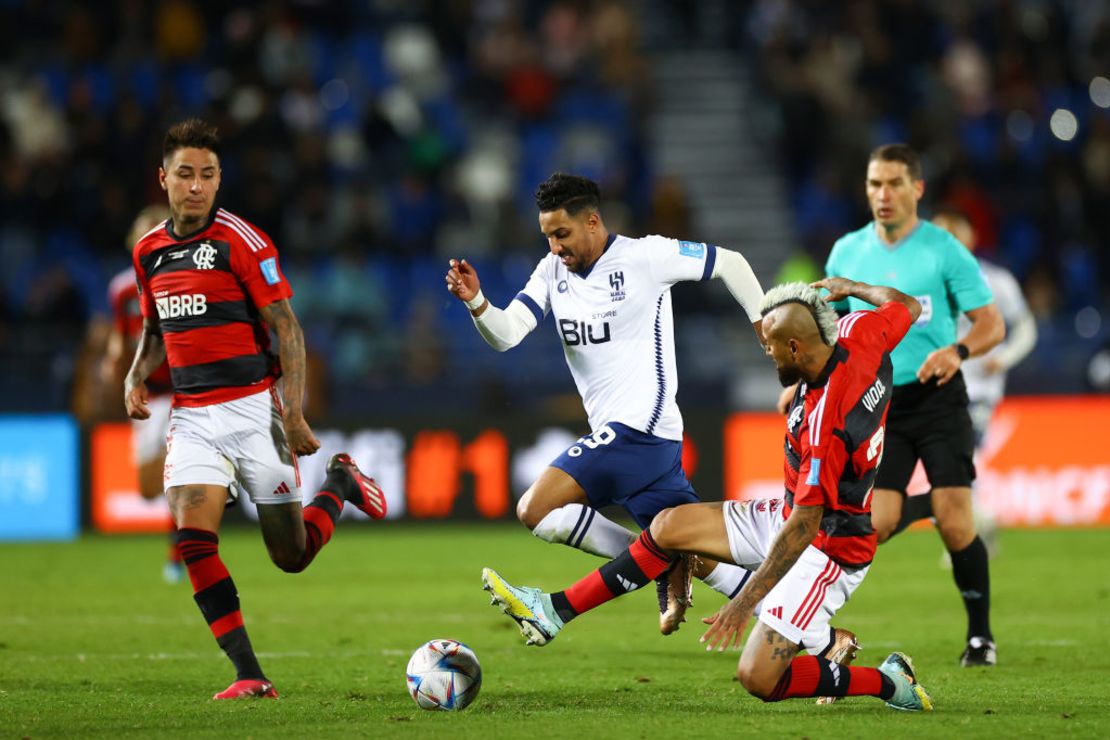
602 436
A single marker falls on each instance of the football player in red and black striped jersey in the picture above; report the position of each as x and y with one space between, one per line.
211 290
808 551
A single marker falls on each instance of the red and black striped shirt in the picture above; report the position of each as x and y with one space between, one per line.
835 428
206 290
127 319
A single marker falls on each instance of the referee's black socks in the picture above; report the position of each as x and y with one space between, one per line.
973 578
914 508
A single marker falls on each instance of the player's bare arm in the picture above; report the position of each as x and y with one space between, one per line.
987 329
114 365
797 533
279 315
150 353
841 288
463 283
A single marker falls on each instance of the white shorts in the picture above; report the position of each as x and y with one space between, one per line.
241 441
800 605
148 436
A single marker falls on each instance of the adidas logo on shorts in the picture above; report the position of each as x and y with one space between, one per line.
283 488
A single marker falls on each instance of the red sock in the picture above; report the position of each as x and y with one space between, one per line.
588 593
809 675
217 598
319 524
633 568
865 682
800 679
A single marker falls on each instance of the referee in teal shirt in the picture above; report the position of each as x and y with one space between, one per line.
928 418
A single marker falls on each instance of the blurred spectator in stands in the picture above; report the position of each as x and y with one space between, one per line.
1042 290
179 30
412 129
424 360
1001 98
622 67
54 300
38 129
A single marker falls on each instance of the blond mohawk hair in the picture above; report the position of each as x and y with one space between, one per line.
823 314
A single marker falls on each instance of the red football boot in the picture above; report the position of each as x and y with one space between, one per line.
362 491
249 688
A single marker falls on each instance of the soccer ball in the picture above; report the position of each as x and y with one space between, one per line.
443 674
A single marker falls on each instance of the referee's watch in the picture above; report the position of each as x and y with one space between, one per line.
962 351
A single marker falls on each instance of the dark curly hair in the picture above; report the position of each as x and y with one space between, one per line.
572 192
191 133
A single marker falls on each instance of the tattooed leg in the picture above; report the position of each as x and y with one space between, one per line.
766 658
197 506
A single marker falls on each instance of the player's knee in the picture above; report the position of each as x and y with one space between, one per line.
290 566
752 682
529 512
956 535
288 560
662 528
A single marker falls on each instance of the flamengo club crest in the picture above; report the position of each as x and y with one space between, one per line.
616 282
204 257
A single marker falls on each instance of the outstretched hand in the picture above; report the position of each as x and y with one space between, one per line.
462 280
726 627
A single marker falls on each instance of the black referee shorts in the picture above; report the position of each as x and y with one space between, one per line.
929 423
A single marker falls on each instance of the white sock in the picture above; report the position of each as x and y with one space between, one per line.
584 528
727 579
821 645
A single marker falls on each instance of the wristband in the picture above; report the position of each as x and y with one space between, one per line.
962 351
476 302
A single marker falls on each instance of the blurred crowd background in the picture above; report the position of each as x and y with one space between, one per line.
375 139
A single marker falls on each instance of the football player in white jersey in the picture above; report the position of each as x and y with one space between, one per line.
610 299
985 376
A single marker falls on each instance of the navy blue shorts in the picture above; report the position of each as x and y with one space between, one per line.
619 465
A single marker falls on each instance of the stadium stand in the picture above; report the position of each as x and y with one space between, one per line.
374 140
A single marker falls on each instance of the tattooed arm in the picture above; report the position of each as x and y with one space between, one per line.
149 354
727 625
279 315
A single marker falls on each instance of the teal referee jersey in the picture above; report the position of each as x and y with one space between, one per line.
928 264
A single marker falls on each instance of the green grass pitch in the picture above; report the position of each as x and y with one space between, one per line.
92 643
